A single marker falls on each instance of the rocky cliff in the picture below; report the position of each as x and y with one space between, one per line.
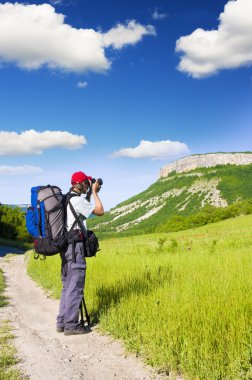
181 194
206 160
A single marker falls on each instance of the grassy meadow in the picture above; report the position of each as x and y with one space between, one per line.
182 301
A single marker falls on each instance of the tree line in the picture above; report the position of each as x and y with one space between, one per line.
12 224
208 214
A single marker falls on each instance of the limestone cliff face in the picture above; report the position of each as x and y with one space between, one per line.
206 160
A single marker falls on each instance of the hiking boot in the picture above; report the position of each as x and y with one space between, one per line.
78 330
60 329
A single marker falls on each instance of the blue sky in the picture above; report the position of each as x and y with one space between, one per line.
119 89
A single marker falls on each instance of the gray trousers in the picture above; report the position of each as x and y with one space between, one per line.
73 281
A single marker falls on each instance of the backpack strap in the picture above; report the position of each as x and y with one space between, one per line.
77 221
77 218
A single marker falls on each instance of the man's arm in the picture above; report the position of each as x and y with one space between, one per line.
98 209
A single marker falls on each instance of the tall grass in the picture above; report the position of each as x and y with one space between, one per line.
183 300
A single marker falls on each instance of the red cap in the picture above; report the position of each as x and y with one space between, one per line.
79 177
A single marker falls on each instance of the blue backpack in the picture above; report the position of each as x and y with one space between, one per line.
45 220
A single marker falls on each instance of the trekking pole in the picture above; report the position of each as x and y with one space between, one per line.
86 312
81 313
83 305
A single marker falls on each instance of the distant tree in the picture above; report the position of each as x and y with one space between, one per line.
12 224
208 214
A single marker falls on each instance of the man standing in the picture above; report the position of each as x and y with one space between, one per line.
73 268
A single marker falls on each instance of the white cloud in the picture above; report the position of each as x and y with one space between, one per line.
19 170
33 142
56 2
128 34
157 150
64 2
205 52
156 15
33 36
82 84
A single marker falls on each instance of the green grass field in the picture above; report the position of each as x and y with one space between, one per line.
183 301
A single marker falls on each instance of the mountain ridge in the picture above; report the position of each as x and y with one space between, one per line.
177 194
195 161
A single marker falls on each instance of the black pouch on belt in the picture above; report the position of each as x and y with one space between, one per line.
74 236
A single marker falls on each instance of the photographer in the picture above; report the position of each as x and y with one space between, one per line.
73 268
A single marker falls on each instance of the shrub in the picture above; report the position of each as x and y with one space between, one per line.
208 214
12 224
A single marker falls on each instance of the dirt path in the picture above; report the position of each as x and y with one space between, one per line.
49 355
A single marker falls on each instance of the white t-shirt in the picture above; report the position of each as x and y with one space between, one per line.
82 207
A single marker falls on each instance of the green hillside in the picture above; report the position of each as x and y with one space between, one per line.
178 195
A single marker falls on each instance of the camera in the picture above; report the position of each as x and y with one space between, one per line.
99 180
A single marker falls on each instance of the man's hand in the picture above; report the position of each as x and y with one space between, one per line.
96 187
